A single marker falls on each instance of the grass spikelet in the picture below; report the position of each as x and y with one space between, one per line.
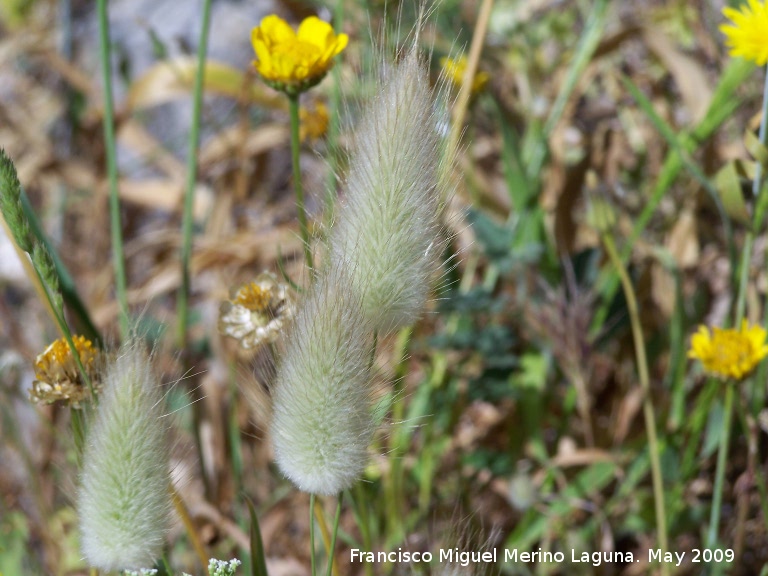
10 203
388 229
123 498
322 424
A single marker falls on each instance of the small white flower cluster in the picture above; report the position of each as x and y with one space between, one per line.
222 567
142 572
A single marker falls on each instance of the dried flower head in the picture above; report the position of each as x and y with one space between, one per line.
257 312
730 353
57 375
314 123
454 70
748 35
293 62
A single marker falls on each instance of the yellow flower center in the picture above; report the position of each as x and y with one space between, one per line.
730 353
253 297
733 351
58 356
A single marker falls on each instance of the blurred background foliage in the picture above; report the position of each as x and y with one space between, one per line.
511 413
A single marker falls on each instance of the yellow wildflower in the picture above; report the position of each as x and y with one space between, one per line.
314 123
57 375
454 70
257 312
748 35
730 353
293 62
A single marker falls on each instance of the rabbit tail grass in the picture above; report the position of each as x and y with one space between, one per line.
388 230
123 498
322 423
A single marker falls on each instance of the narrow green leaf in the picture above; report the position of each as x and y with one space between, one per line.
258 560
729 187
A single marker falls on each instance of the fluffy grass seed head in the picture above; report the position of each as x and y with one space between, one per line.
321 418
57 376
293 62
388 230
123 501
729 353
257 312
747 36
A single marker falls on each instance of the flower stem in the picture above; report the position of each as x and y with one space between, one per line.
362 516
312 534
763 137
332 547
293 106
182 305
648 413
189 526
118 256
722 455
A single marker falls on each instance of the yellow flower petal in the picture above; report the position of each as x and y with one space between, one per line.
315 31
747 36
276 30
295 61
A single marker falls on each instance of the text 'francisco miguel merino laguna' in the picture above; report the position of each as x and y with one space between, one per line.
467 557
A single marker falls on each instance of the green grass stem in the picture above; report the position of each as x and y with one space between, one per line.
722 457
312 534
648 412
118 256
293 106
187 221
335 532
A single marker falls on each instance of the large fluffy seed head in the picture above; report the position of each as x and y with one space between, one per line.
388 230
322 424
123 497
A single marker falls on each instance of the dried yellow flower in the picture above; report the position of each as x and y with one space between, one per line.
314 123
748 35
57 375
729 353
293 62
454 71
257 312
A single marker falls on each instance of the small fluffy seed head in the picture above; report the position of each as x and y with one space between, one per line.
123 499
388 231
322 424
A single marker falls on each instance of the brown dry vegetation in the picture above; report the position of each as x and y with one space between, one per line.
519 370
